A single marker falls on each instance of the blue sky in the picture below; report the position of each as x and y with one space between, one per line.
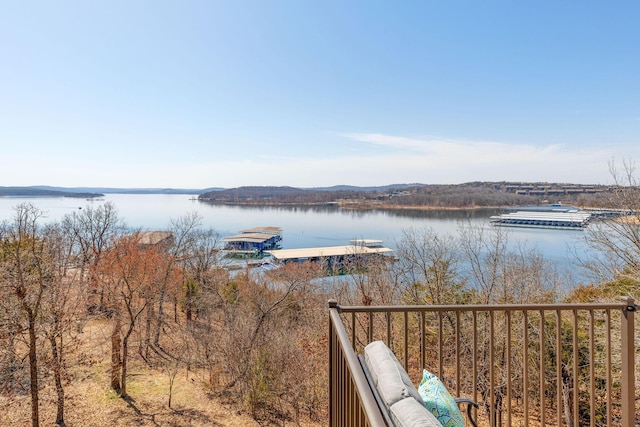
316 93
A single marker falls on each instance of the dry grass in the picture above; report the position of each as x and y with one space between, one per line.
90 401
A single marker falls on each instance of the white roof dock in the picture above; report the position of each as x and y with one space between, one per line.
371 243
327 251
248 237
264 230
571 219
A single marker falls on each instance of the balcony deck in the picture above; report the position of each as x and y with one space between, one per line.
526 365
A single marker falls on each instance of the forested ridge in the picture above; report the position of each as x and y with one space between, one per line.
44 192
468 195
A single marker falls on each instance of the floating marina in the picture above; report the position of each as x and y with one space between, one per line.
253 241
564 220
369 243
260 247
333 257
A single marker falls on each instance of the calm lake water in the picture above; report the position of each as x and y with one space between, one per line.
303 226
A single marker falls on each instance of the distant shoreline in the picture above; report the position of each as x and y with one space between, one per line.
354 205
44 195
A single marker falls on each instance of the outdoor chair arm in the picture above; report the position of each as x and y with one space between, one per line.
470 403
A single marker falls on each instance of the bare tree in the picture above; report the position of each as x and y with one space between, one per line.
202 266
616 242
24 276
185 239
13 377
263 335
485 250
130 274
430 267
93 230
63 303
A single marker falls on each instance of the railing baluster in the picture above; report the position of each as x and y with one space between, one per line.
475 356
575 368
423 362
508 362
525 367
388 317
440 336
627 331
347 392
344 381
541 376
405 320
608 362
333 381
492 379
592 370
558 367
353 331
457 353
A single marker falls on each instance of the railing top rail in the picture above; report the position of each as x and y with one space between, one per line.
369 403
628 305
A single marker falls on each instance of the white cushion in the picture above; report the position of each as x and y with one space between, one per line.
388 375
409 413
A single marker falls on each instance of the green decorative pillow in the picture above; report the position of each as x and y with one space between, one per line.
438 400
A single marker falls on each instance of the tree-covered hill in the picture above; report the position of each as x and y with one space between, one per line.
467 195
44 192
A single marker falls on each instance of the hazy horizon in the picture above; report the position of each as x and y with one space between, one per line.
213 187
283 93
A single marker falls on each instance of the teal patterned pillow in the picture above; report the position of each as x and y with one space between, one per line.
438 400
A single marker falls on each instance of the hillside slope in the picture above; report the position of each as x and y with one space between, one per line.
90 401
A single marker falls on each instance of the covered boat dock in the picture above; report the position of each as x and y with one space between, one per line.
370 243
572 220
333 256
254 240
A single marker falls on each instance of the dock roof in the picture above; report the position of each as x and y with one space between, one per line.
149 238
266 230
547 216
327 251
249 237
365 241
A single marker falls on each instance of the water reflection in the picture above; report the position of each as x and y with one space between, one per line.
442 214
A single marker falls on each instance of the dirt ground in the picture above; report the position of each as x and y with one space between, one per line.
90 401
